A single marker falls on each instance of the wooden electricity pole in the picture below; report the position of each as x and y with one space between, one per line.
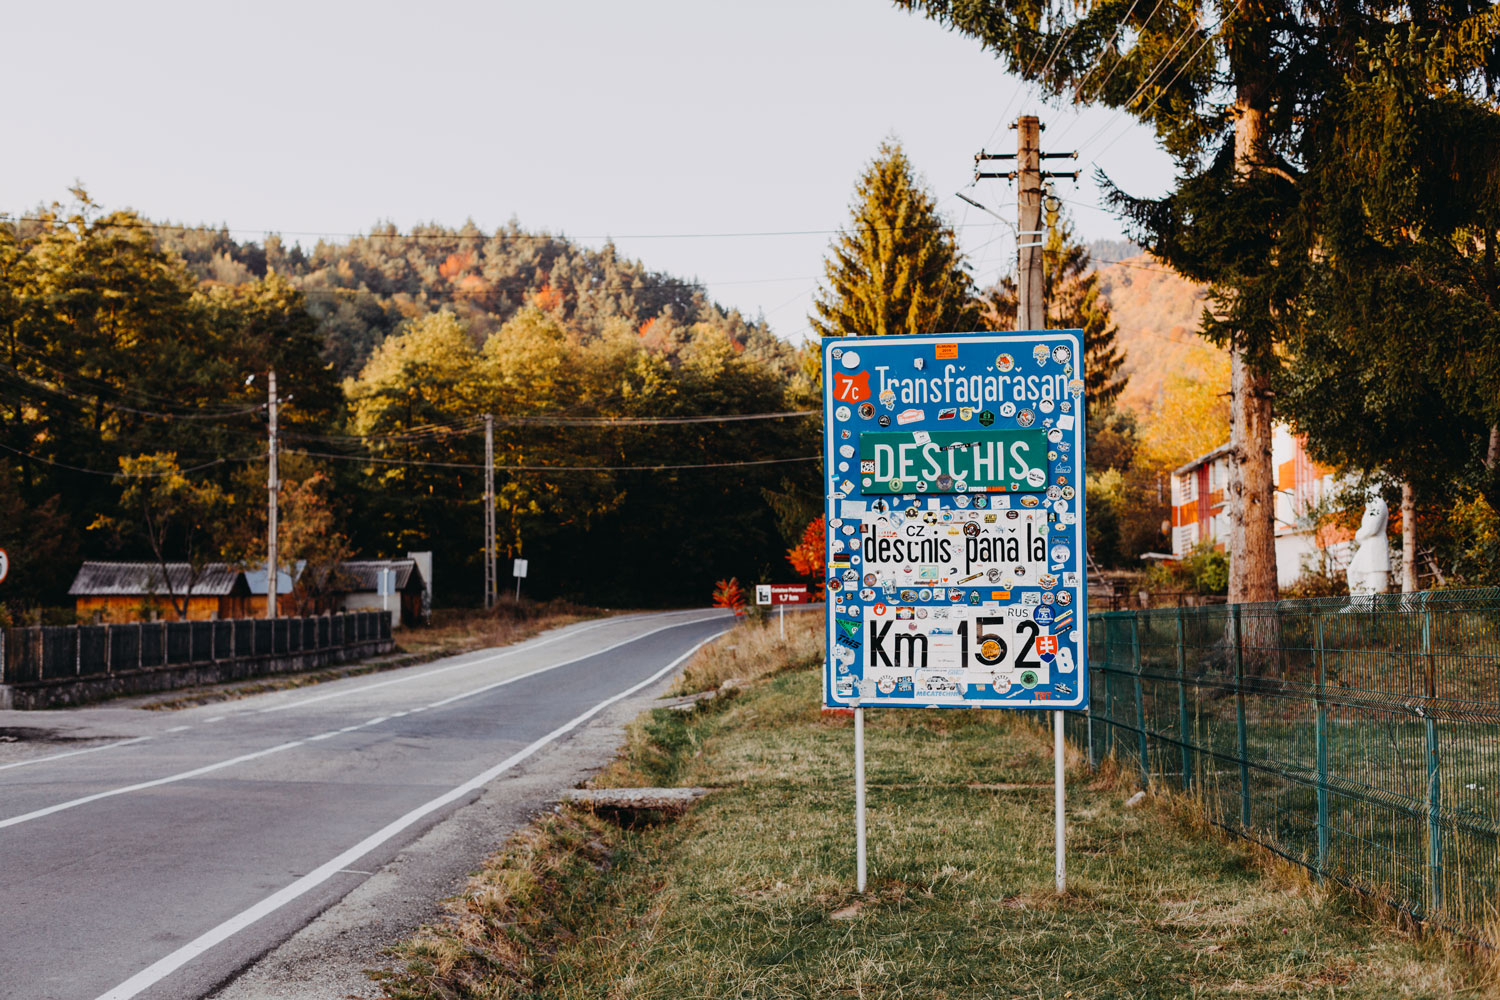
1031 305
491 585
273 484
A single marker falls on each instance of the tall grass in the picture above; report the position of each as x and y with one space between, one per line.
755 650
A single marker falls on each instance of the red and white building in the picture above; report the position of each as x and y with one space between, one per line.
1200 513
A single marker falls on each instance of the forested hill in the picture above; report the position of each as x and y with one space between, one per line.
637 425
362 289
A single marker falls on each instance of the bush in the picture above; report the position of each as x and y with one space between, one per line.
1204 570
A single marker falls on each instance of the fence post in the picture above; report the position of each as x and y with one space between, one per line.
1182 719
1109 704
1239 719
1140 704
1322 747
1434 780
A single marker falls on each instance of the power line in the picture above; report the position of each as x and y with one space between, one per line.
113 475
77 397
97 384
635 421
1160 66
1180 70
561 238
555 468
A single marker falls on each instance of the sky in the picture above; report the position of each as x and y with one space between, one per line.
711 140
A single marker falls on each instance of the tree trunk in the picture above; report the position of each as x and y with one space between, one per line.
1252 486
1408 539
1252 480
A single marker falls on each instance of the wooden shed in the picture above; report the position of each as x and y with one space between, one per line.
394 585
138 591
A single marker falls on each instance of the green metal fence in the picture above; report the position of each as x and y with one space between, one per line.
1357 736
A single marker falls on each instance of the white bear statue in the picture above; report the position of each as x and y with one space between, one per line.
1370 569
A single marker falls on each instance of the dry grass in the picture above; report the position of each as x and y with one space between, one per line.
755 650
751 894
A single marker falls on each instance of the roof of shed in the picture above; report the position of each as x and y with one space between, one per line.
130 579
364 574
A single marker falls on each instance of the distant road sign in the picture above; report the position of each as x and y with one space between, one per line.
781 593
519 570
4 565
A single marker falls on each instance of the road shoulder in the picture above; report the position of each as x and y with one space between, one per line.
330 956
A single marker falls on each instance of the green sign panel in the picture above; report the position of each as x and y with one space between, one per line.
964 461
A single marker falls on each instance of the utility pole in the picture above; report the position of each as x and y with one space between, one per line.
491 584
1031 314
273 484
1031 309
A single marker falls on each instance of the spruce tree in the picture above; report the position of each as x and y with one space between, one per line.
896 269
1247 96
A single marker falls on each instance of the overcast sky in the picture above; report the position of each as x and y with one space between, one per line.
667 124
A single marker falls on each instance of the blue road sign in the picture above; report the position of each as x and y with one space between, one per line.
955 548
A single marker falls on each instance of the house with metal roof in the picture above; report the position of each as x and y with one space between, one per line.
141 591
394 585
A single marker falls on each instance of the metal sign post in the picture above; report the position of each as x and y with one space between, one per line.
518 570
859 797
955 531
781 594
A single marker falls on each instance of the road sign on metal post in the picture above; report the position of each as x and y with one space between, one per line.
955 523
518 570
4 565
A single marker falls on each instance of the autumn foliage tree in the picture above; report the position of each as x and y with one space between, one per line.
729 594
897 268
808 555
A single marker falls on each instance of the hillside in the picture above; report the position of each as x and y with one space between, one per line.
1157 312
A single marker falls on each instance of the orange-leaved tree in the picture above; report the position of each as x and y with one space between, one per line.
807 556
729 594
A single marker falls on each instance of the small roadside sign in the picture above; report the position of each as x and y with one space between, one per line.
4 565
781 593
519 570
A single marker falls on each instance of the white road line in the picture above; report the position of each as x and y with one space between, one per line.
523 647
169 779
72 803
542 670
164 967
74 753
566 632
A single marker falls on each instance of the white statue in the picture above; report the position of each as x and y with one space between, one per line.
1370 569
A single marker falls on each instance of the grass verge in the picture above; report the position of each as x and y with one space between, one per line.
751 894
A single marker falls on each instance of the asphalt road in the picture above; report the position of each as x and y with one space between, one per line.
159 854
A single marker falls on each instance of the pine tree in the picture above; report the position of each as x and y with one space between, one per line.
897 268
